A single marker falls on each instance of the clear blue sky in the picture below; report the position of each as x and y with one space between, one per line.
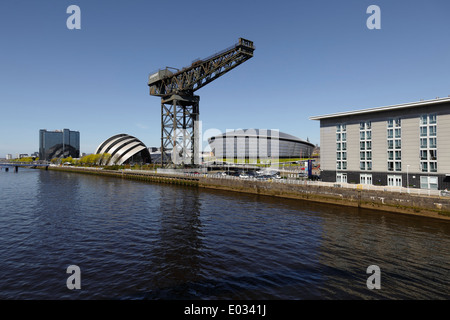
311 58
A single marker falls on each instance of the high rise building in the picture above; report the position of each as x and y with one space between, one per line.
59 143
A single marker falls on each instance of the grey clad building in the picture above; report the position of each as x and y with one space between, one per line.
259 144
59 143
399 145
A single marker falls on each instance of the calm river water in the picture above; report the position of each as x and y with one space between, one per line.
134 240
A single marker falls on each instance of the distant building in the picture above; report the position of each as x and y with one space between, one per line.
124 149
59 143
9 156
254 145
404 145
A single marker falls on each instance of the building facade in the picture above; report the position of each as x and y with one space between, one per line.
405 145
253 145
124 149
58 144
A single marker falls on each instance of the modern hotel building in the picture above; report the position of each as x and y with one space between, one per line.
399 145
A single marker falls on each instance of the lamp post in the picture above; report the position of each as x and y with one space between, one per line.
407 176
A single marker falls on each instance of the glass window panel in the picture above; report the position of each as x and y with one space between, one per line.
423 142
423 119
432 143
423 131
432 131
391 155
432 118
433 166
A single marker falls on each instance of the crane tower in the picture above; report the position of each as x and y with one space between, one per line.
179 105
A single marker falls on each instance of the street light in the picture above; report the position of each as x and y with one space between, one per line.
407 176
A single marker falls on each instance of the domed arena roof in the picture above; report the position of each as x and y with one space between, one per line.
122 148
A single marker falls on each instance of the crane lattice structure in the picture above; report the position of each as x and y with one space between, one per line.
179 105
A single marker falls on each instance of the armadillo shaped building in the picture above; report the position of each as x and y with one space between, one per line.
122 149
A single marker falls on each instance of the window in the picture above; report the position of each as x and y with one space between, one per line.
432 118
424 166
341 177
423 142
433 166
341 145
394 181
390 155
362 165
423 155
429 183
365 144
432 143
423 131
432 155
432 130
423 120
394 144
390 166
365 178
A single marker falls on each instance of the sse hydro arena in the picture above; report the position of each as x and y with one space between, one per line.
255 145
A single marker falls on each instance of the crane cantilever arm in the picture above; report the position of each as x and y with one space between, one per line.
201 72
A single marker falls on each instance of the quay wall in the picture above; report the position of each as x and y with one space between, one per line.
421 205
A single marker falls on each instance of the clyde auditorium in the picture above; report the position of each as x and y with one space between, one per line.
259 144
124 148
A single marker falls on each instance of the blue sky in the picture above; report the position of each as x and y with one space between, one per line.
311 58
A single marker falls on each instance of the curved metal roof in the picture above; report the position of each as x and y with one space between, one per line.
263 133
121 147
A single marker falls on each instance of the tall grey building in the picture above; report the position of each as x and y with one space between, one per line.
59 143
399 145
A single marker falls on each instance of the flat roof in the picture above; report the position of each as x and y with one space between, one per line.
386 108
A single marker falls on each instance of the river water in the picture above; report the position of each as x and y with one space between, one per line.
135 240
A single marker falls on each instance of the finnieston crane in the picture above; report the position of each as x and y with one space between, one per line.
179 105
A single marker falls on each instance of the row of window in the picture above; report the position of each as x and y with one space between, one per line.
426 182
428 145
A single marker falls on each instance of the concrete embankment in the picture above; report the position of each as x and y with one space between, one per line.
427 206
